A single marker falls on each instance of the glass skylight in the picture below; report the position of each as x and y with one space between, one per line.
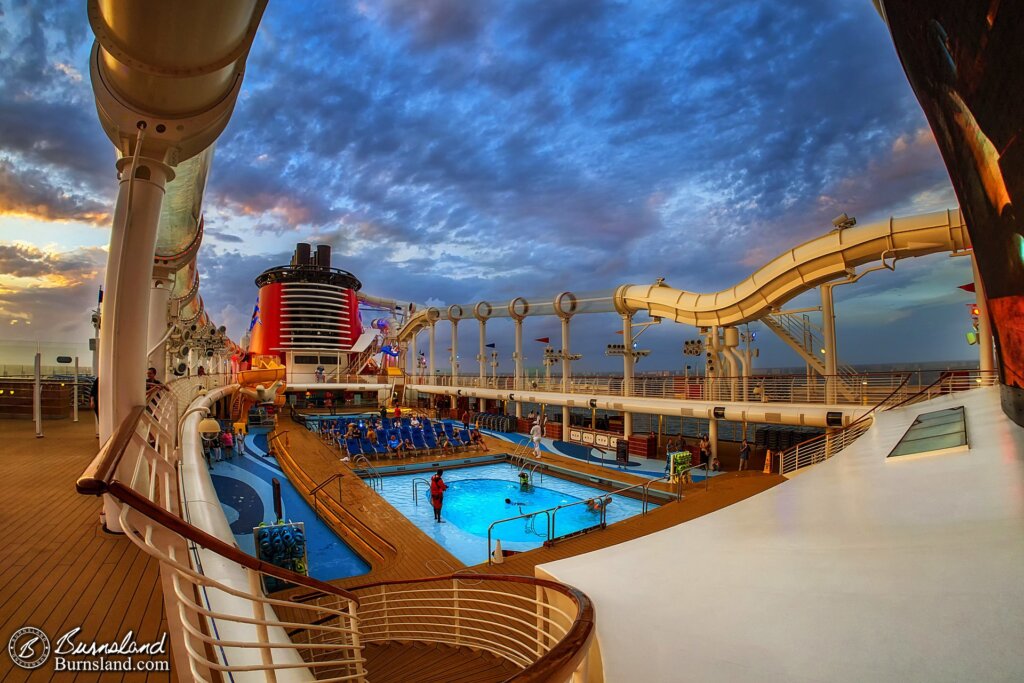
935 431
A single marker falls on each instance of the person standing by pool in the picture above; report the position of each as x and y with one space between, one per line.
535 436
437 489
744 455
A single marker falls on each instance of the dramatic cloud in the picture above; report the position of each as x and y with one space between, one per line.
47 294
457 150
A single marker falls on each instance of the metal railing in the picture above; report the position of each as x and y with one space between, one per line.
376 480
315 491
416 489
543 627
824 446
844 389
217 629
550 535
227 628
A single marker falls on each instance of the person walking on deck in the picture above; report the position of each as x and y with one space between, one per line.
437 489
744 455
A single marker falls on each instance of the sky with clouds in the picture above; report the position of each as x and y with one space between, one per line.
453 150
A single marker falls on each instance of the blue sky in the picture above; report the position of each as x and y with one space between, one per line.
452 150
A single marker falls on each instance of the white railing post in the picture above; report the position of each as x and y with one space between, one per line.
262 635
458 614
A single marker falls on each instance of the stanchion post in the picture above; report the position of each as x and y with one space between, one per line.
75 392
37 395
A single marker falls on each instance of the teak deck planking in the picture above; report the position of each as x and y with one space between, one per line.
63 570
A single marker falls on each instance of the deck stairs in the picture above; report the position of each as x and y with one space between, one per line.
807 339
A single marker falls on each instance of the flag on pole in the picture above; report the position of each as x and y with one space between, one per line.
969 287
544 340
255 316
490 346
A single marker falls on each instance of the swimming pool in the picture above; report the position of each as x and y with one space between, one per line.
476 498
244 487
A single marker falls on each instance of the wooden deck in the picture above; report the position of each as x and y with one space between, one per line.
416 555
59 569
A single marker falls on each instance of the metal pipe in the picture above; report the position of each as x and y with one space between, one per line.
627 371
177 66
431 339
985 358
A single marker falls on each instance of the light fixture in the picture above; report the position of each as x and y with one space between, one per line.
208 426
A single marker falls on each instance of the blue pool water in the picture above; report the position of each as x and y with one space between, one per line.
243 485
476 498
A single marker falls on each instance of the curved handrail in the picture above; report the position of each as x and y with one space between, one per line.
863 418
99 478
127 495
970 378
983 378
567 654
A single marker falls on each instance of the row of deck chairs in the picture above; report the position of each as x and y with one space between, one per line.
425 440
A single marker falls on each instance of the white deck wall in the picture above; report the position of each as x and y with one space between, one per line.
861 569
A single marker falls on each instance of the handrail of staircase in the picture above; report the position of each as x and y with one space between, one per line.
565 657
856 425
969 378
980 378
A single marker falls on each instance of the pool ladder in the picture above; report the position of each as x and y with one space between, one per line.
376 481
415 489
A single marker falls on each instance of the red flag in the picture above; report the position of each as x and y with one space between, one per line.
544 340
969 287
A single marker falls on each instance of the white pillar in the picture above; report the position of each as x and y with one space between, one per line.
627 371
566 372
518 358
125 312
828 325
414 366
730 339
455 350
159 296
481 356
985 357
430 353
713 439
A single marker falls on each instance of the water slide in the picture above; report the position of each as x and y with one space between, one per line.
829 257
